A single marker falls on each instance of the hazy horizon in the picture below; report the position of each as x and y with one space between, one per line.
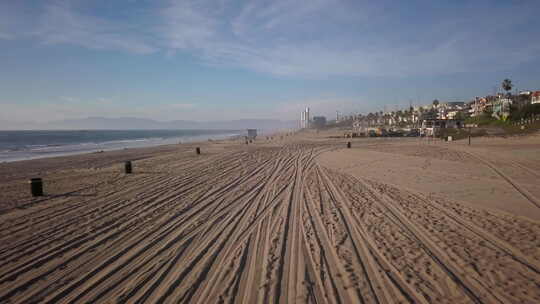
226 60
135 123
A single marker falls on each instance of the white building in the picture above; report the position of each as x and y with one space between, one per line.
535 97
305 119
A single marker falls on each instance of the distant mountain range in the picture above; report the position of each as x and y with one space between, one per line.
130 123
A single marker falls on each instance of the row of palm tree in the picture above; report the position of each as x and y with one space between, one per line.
409 115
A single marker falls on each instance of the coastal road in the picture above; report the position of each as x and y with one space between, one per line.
262 224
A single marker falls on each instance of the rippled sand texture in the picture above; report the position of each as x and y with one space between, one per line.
273 222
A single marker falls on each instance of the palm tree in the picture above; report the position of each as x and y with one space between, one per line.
507 86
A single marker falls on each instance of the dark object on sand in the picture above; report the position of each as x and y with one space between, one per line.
127 167
36 185
349 144
198 150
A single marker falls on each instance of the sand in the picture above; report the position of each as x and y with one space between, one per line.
295 220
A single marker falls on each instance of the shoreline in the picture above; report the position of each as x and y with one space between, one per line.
60 150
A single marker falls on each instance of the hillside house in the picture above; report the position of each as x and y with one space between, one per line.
535 97
501 108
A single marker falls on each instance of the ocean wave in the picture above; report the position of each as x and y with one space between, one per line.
68 143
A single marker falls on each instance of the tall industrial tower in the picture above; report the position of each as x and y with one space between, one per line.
307 118
304 119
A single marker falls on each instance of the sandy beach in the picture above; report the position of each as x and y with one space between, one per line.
296 219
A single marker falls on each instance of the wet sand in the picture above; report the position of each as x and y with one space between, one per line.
295 220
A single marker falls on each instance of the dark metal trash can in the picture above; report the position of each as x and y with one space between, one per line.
198 150
36 186
349 144
128 167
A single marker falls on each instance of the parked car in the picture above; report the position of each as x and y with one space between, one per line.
395 133
413 133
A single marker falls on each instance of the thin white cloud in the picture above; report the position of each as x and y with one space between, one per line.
5 36
60 23
69 99
317 38
78 100
187 25
330 37
183 106
104 100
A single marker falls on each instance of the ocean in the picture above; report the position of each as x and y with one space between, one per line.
21 145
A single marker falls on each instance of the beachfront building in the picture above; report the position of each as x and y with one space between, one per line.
415 117
319 121
535 97
360 126
432 127
252 133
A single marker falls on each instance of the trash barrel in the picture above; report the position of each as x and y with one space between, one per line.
127 166
36 185
349 144
198 150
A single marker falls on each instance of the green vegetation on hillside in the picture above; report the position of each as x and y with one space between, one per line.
526 112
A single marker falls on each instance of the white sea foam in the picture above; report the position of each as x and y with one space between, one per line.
18 149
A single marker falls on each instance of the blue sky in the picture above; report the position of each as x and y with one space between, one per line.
227 59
